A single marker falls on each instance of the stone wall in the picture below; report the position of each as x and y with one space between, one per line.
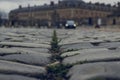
56 14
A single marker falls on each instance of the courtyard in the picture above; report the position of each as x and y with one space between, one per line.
93 53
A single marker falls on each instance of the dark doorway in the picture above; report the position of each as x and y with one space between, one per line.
114 21
0 22
90 21
55 19
13 22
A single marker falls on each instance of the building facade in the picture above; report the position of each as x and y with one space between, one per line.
57 14
114 19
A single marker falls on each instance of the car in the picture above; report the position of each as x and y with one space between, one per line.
70 24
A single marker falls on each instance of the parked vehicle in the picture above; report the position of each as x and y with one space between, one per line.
70 24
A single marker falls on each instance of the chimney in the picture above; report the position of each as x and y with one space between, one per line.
28 5
118 4
20 6
59 2
52 3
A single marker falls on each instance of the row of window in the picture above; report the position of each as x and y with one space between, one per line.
64 14
88 6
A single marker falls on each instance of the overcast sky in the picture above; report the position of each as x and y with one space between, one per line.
7 5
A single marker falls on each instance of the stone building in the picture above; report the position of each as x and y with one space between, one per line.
0 20
57 14
114 18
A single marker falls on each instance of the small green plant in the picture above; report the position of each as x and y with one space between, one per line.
70 50
55 48
58 72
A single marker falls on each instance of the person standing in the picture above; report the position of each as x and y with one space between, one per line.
99 22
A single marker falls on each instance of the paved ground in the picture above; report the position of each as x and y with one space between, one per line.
24 52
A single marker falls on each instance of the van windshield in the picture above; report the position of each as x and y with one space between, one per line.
70 22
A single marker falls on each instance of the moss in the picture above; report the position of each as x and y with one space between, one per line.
70 50
58 72
55 47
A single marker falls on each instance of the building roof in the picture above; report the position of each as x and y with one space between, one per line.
71 0
66 4
116 12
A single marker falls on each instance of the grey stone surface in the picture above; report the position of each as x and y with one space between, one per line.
24 56
93 55
21 49
15 77
100 70
8 67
